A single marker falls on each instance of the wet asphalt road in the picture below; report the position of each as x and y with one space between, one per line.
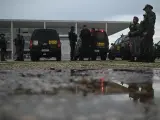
77 94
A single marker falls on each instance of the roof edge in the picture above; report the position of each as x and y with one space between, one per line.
70 21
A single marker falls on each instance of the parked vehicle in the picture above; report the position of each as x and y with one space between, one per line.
99 48
45 43
157 50
120 49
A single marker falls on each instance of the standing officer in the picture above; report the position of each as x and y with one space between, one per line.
85 36
3 46
134 30
72 39
19 44
134 27
148 33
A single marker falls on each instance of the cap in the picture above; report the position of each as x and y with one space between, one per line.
72 27
93 29
148 6
84 25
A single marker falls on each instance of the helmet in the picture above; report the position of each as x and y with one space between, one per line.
148 6
136 18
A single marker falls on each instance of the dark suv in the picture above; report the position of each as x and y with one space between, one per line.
120 49
99 47
45 43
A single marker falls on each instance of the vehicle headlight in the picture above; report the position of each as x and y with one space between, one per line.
35 42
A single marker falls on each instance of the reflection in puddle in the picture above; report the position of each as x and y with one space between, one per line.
59 94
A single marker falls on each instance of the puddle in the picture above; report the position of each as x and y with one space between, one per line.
106 94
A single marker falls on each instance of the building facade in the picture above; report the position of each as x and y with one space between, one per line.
25 27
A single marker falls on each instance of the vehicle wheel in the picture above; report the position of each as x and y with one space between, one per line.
111 57
34 57
58 58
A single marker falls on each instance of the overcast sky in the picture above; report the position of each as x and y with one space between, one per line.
72 9
76 9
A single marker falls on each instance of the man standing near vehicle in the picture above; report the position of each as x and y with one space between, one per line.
3 46
133 33
72 39
19 44
148 33
85 36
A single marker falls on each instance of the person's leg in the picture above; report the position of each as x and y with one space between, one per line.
3 54
149 48
72 52
21 54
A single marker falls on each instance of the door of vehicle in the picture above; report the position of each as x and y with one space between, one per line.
101 39
118 46
157 47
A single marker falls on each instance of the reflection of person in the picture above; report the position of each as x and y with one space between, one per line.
145 95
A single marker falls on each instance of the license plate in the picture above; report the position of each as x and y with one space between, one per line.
52 42
100 44
96 50
45 50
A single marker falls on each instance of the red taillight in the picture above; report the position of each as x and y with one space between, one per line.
59 43
31 44
101 30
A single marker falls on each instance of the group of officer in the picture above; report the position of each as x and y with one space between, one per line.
85 35
19 45
144 30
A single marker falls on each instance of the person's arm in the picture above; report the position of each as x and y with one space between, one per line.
81 34
137 32
69 35
151 20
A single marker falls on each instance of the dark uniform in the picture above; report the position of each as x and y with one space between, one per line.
85 36
148 33
19 43
134 34
72 39
3 46
134 27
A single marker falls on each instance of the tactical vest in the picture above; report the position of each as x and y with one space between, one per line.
133 27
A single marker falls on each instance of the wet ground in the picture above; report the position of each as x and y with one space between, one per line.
68 94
